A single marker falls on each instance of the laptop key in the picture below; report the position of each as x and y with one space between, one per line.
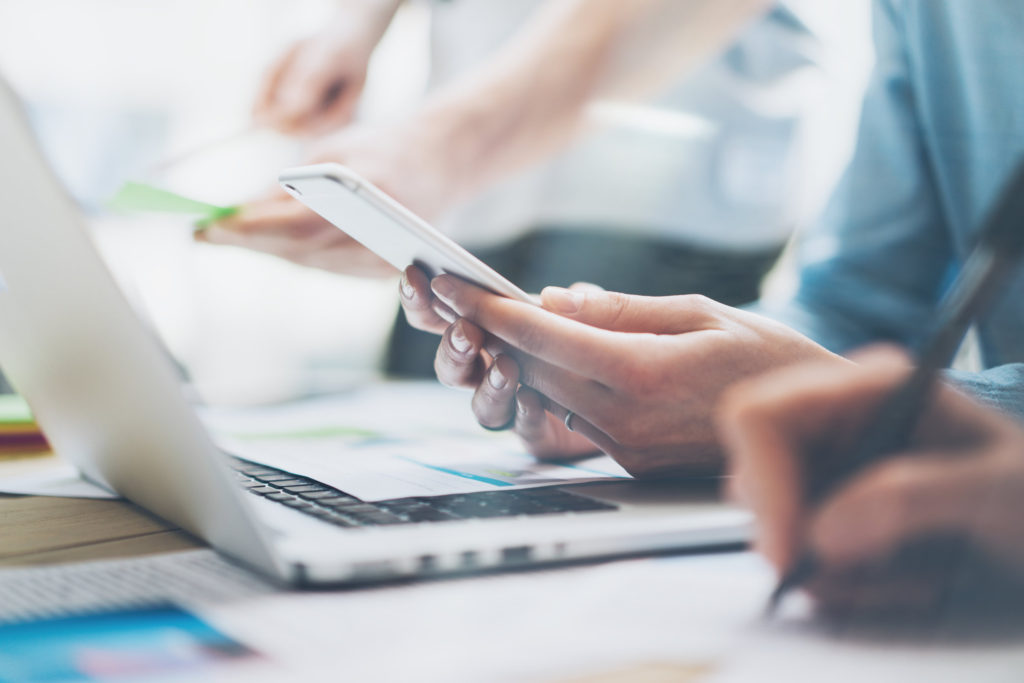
381 518
262 490
368 514
341 520
428 514
319 495
359 509
257 470
414 510
280 497
337 499
276 477
468 507
282 483
306 488
563 501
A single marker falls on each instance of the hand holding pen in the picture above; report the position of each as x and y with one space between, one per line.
960 476
823 454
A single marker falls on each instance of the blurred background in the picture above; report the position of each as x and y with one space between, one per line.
115 87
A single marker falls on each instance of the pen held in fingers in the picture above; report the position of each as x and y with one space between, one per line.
993 259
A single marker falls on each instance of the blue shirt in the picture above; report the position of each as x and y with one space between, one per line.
941 130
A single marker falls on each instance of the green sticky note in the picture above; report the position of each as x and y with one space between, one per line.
141 197
14 410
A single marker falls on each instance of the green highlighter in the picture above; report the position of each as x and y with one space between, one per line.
141 197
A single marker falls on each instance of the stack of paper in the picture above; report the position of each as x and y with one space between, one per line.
19 432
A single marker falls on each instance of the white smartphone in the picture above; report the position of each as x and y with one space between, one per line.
387 228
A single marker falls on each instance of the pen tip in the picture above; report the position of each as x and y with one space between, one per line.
795 577
774 600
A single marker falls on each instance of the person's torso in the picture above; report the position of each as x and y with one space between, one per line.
712 167
966 63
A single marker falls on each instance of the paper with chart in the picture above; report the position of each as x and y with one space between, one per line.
394 440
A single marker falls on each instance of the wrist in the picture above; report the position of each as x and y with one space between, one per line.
367 18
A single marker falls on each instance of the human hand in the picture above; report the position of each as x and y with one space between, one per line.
640 374
961 478
468 358
315 85
278 224
281 226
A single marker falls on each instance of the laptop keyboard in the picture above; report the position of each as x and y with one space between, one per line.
339 508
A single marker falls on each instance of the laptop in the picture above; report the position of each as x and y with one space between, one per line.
109 399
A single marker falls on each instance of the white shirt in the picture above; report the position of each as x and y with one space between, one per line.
711 162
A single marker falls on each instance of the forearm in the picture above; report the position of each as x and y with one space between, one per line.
530 98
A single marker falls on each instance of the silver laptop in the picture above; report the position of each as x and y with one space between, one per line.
110 401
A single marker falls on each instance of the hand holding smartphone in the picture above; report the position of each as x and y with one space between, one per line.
387 228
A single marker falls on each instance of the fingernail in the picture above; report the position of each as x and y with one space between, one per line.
495 378
521 407
459 340
405 287
443 288
561 300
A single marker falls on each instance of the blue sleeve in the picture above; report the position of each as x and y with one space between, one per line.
874 267
1001 387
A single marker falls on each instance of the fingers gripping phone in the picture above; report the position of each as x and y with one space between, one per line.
387 228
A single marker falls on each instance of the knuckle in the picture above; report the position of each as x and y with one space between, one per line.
451 371
467 306
532 340
618 306
698 302
699 307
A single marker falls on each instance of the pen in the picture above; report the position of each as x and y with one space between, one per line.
999 246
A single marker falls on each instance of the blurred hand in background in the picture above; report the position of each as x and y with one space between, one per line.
314 87
521 105
401 159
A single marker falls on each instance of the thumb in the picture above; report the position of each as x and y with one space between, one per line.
631 313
